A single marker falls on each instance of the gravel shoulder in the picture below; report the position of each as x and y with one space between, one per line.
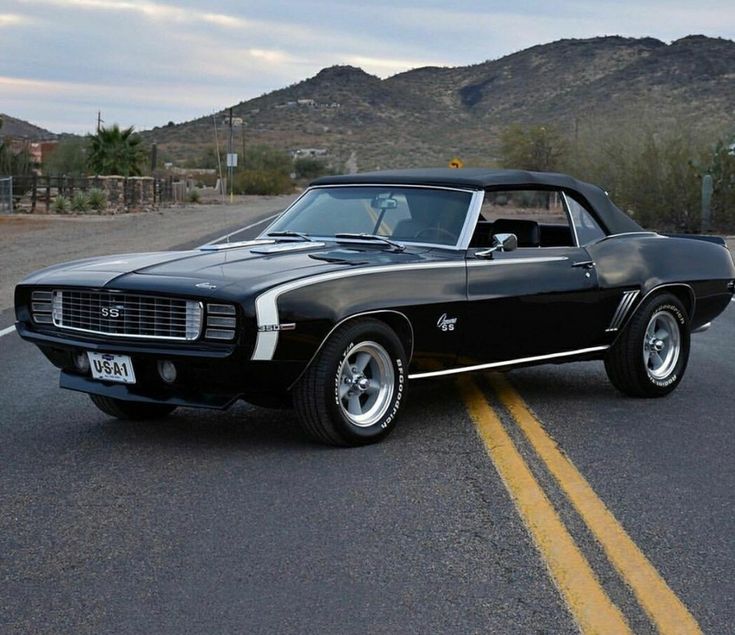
28 243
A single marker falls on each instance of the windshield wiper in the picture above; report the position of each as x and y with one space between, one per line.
363 236
291 234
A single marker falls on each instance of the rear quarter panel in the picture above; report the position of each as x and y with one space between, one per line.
647 261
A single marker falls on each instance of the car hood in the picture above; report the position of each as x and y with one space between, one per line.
220 271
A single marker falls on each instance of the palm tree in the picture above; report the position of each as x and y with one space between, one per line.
115 151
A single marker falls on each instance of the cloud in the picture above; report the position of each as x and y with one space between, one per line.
12 19
383 66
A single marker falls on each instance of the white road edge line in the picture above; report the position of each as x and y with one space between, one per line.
242 229
7 331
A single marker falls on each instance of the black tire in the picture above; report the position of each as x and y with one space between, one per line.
628 367
131 410
318 396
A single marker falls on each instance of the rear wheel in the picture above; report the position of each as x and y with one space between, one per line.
351 392
650 356
131 410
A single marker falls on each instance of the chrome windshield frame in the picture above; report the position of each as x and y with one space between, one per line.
465 235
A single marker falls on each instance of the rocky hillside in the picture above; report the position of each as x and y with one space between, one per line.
12 127
427 115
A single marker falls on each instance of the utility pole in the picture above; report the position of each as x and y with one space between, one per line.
99 121
230 161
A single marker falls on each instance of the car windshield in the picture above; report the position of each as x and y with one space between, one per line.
404 214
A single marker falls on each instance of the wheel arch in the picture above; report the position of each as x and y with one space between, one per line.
681 290
396 320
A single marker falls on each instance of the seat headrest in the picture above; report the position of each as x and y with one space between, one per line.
528 232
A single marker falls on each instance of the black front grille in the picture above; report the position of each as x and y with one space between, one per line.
127 315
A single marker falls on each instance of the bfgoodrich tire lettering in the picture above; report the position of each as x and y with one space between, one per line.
131 410
352 391
650 356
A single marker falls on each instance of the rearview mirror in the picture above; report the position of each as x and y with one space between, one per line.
384 203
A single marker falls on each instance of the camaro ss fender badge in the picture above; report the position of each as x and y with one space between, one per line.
446 323
206 285
269 328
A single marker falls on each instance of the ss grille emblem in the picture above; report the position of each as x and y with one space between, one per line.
111 311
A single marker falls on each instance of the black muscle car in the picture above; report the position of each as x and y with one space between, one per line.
371 280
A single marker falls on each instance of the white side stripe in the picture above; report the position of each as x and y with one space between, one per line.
7 331
266 304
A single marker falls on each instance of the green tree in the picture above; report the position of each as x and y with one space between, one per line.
68 157
115 151
540 148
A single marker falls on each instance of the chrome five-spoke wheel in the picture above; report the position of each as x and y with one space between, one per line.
351 392
661 345
649 357
366 383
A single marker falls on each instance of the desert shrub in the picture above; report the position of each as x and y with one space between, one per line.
194 196
61 205
540 147
648 172
80 202
97 199
263 182
267 159
310 168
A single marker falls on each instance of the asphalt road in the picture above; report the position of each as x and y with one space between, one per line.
235 523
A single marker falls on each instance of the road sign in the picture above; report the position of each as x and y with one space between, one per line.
456 162
232 159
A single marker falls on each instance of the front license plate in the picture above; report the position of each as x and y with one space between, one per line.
112 367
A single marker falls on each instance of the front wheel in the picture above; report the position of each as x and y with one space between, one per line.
650 356
131 410
351 392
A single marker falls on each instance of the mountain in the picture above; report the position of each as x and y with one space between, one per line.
427 115
13 127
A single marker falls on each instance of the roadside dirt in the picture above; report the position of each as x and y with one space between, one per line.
28 243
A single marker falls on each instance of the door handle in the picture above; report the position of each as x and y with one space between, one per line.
586 264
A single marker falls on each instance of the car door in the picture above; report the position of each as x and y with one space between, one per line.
541 298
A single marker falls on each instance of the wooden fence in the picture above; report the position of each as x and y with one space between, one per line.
38 192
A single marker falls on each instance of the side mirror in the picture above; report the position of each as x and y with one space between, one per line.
501 242
505 242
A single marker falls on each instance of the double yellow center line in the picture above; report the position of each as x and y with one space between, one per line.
587 600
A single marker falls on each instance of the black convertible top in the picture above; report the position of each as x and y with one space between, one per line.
614 219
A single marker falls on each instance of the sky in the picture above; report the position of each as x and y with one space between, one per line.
147 62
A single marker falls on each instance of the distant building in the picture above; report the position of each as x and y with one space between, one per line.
237 122
306 102
38 151
309 152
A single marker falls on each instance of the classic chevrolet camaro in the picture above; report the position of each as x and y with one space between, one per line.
369 281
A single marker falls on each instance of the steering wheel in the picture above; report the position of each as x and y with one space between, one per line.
438 231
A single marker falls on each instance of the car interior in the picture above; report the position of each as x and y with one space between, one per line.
537 218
